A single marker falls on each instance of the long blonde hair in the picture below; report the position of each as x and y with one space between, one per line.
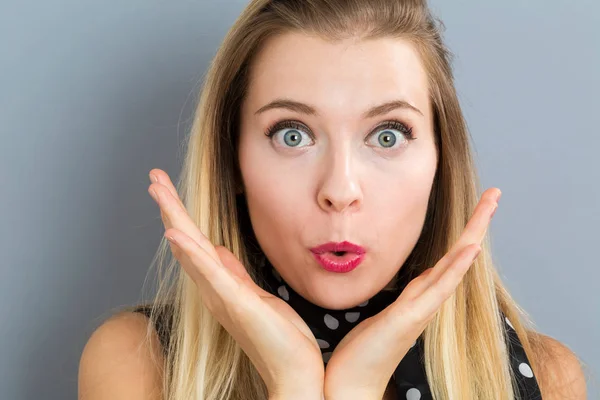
465 344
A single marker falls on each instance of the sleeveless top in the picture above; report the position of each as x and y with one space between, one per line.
409 378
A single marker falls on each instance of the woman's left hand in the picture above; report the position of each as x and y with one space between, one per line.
365 359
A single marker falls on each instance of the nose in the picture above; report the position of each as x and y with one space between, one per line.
340 190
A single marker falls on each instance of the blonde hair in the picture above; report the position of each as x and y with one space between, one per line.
465 344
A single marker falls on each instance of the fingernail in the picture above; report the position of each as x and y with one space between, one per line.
153 178
498 196
171 239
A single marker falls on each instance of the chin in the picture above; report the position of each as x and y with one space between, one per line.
340 298
336 291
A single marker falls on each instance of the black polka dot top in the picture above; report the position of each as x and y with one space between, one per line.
329 327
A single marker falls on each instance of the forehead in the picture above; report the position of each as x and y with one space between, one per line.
338 77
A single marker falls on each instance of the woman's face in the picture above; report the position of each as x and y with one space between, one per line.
337 173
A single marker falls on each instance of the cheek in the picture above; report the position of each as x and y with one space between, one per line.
406 199
399 215
276 218
275 197
402 214
271 206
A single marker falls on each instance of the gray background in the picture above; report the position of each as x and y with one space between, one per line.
95 94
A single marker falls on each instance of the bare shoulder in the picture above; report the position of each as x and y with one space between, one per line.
561 374
118 362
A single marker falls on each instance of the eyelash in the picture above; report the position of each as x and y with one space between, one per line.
407 132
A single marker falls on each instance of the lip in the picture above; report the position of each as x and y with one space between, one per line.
338 246
348 262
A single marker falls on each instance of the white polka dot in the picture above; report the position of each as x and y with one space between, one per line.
327 356
283 293
322 344
331 322
364 303
525 370
413 394
352 316
508 322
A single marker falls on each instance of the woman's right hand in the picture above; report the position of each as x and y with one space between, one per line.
275 338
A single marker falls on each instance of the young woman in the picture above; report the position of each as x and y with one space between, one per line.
328 231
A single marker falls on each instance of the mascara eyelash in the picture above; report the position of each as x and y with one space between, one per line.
271 130
406 131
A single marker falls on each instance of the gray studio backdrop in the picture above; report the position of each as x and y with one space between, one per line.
94 94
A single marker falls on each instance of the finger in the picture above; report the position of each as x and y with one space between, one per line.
427 304
199 265
187 225
473 233
417 285
163 178
476 228
176 216
223 293
232 263
156 195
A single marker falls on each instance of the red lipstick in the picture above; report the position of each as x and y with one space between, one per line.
338 257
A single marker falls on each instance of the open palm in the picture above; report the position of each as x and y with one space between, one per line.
365 359
276 339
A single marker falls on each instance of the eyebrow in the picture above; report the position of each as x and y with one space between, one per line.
310 110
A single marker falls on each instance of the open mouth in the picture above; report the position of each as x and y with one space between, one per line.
339 261
339 257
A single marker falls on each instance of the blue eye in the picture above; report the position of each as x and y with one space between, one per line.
293 136
387 138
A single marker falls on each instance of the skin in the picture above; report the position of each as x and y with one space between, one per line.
363 362
350 187
340 182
